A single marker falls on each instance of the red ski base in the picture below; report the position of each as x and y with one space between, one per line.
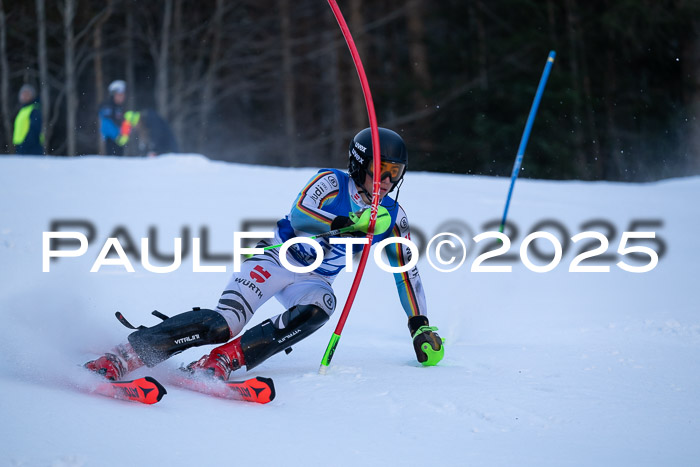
259 389
146 390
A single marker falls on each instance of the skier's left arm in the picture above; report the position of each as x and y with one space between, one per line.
426 342
408 284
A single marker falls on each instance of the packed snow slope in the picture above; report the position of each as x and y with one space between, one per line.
552 368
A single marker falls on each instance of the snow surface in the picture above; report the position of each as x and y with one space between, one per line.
541 369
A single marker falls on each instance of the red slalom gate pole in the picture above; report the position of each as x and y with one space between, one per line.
376 155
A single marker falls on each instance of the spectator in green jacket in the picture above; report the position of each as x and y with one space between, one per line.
27 136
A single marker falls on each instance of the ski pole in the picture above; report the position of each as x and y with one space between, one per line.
526 134
330 233
333 343
359 225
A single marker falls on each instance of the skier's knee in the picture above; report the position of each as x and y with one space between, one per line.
172 336
267 338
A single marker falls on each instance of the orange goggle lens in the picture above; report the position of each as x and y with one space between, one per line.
393 170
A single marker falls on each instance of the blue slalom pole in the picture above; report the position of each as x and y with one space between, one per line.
526 133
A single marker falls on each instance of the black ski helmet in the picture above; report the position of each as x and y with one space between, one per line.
391 149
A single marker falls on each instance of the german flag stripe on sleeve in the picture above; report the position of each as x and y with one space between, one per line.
410 292
314 214
329 197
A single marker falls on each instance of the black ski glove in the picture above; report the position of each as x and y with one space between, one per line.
426 341
343 221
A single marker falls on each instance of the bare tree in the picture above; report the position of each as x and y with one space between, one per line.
417 50
97 63
177 101
573 24
161 88
357 20
418 56
45 89
76 57
481 43
71 86
613 161
129 50
692 65
289 97
335 108
592 130
209 82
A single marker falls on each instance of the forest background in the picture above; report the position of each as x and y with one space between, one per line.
272 82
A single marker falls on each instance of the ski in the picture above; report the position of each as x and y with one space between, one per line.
146 390
258 389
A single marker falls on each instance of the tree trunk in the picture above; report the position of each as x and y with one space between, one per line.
482 46
480 76
591 127
207 102
44 90
162 90
290 129
97 64
552 23
576 111
613 163
177 105
691 68
130 71
417 51
70 76
359 108
418 56
5 81
337 155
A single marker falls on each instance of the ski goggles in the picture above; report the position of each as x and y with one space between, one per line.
393 170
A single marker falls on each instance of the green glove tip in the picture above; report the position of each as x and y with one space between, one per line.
380 226
434 356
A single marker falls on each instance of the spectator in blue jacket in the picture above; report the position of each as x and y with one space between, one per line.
27 136
111 119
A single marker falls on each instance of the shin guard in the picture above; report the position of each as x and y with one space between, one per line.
190 329
264 340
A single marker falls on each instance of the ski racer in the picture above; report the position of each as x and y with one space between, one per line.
331 200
